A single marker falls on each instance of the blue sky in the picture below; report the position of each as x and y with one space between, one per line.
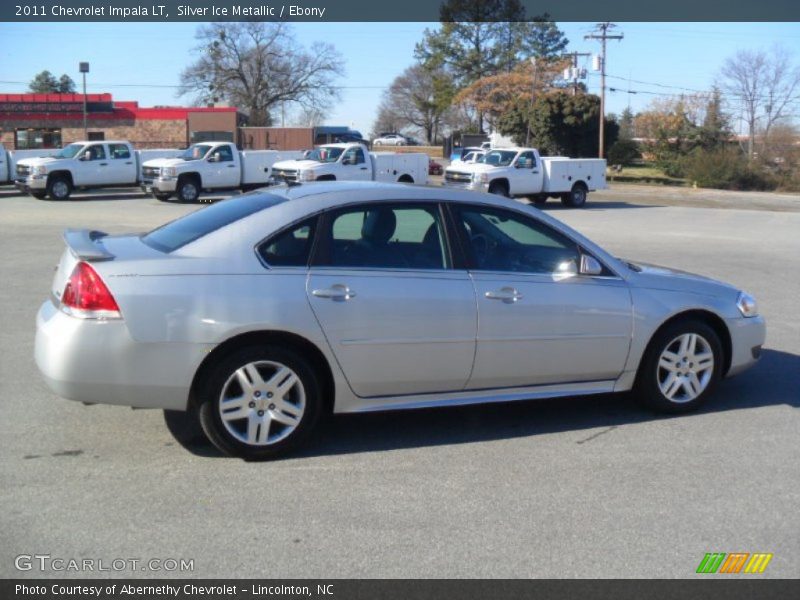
127 57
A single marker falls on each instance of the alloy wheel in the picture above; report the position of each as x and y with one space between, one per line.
685 368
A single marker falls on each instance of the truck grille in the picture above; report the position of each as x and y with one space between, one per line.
150 172
23 170
457 177
286 174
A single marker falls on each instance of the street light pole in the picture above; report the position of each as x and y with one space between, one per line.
533 94
84 69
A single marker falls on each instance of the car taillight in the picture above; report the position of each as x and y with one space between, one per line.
86 296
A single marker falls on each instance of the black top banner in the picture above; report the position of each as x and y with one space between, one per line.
382 10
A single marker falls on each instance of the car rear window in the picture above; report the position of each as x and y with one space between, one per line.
193 226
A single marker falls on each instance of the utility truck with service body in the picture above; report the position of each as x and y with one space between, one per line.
83 165
517 172
210 166
353 162
9 159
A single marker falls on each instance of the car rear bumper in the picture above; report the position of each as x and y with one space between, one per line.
96 361
747 338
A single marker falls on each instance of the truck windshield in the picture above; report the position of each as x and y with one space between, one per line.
68 151
500 158
325 154
195 152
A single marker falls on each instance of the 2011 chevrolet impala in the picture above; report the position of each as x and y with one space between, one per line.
258 313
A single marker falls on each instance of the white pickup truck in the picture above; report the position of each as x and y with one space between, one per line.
353 162
207 166
517 172
9 159
83 165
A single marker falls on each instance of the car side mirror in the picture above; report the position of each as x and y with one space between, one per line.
86 155
590 265
347 161
214 157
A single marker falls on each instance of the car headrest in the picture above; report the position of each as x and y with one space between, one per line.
379 225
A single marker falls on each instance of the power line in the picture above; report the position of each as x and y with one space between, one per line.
601 33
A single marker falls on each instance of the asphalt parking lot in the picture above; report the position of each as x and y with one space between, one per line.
591 487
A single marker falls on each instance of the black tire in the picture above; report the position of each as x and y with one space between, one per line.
326 178
161 197
652 376
188 189
221 378
185 427
39 195
500 188
539 199
59 188
405 179
576 198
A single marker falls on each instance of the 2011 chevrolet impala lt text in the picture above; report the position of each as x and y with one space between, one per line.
259 313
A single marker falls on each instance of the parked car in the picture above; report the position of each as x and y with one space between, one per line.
261 312
210 166
434 168
84 165
353 162
390 139
521 172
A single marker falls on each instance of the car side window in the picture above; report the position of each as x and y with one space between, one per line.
119 151
387 236
354 156
500 240
225 153
291 247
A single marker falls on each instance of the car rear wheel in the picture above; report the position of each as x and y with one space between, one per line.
260 402
681 367
59 188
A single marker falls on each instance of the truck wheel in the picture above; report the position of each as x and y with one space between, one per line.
188 190
577 197
405 179
39 195
499 188
59 188
260 402
161 197
539 199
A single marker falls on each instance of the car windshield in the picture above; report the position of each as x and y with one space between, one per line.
325 154
193 226
195 152
68 151
500 158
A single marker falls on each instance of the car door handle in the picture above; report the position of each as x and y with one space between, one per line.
534 172
103 164
335 292
363 168
129 163
231 166
507 294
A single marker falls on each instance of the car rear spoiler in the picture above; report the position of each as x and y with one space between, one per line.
83 244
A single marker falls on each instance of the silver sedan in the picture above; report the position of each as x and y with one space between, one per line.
258 314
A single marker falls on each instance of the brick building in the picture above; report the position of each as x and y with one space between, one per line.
54 120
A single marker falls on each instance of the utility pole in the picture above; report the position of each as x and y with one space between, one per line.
575 74
84 69
601 33
533 96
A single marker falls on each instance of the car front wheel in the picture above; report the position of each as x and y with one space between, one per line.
681 367
260 402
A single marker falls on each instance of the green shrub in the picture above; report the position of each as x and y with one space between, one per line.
725 169
624 152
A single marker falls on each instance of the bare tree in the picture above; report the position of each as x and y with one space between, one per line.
258 66
418 98
764 84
